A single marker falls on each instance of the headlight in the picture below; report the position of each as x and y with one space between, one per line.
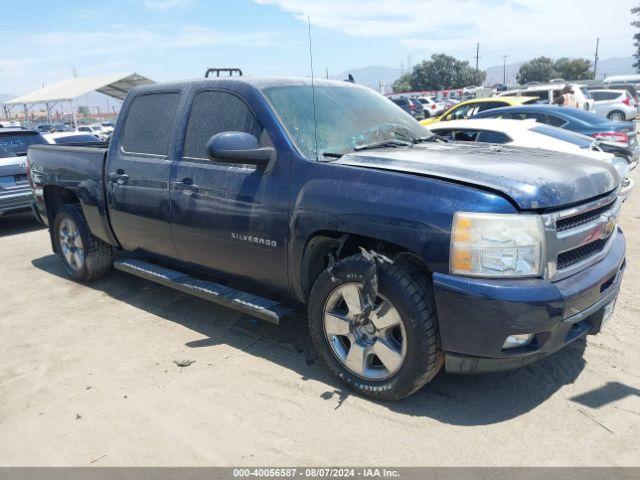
496 245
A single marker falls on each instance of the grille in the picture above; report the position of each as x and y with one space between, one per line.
571 257
577 220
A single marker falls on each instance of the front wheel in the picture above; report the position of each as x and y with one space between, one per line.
386 354
84 256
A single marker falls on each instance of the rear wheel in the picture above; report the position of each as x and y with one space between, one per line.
616 116
386 354
84 256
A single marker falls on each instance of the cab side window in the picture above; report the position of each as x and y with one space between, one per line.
214 112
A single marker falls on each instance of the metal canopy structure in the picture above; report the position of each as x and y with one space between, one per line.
116 85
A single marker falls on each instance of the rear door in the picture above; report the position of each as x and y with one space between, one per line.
230 218
138 171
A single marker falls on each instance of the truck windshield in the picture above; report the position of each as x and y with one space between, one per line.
15 144
347 117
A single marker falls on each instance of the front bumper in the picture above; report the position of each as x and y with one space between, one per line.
15 201
476 315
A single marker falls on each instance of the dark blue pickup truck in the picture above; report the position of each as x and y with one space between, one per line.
409 252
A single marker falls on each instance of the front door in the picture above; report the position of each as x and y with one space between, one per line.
230 218
138 172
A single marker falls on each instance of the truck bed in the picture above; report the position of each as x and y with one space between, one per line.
79 169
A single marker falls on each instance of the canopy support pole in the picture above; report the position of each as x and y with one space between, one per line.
75 120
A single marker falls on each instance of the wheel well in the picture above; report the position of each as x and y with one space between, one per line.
616 111
54 199
341 245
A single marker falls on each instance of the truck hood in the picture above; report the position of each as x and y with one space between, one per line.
532 178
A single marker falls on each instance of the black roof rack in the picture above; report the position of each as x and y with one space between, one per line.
217 71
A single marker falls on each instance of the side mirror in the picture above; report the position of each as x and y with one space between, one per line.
238 147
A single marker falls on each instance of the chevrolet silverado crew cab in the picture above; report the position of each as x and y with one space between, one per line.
410 253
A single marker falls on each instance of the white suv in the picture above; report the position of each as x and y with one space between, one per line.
546 93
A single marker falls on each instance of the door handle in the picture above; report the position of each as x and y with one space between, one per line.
187 187
119 177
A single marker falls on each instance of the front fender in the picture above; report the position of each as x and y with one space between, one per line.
410 211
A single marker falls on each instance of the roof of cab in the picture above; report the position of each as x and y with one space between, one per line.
257 82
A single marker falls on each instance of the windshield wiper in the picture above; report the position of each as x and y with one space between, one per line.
389 142
20 154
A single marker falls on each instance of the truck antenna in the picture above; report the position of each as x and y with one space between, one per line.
313 92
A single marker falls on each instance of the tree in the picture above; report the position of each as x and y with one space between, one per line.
537 70
576 69
82 110
439 73
636 37
403 84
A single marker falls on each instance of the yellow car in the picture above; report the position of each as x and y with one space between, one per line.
469 108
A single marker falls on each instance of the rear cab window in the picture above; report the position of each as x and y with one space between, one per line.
149 124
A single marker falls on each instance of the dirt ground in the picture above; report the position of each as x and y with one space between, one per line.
87 377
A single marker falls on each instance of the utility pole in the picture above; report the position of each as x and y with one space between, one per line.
504 69
326 71
477 54
595 59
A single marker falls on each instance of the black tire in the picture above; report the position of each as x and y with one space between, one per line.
97 259
412 295
617 115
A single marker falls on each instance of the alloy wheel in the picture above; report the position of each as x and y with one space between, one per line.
372 346
71 244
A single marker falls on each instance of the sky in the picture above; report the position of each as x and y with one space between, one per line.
43 42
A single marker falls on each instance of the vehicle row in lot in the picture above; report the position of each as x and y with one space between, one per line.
410 252
531 134
573 119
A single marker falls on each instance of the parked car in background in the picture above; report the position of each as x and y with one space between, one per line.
15 191
410 105
44 127
10 124
546 93
95 130
432 107
531 134
633 91
573 119
70 137
61 127
471 107
614 104
634 78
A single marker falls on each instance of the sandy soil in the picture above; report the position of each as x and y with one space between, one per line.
88 377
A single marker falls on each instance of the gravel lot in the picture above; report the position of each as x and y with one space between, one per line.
88 377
